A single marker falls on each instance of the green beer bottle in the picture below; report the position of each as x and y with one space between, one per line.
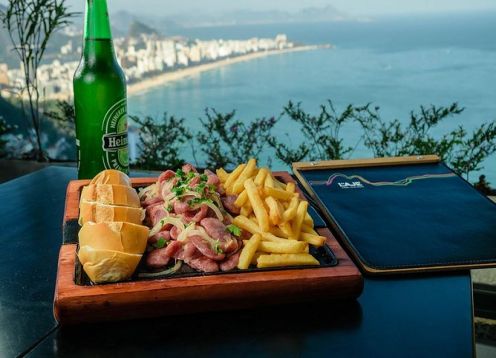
100 99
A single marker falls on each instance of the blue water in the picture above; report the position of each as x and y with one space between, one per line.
397 64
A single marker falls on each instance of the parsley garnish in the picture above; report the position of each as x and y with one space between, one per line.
217 248
199 188
233 229
204 177
178 191
169 208
161 242
179 173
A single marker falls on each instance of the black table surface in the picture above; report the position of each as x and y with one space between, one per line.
410 316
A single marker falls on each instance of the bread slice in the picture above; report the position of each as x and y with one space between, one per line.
96 212
111 176
107 265
116 236
112 194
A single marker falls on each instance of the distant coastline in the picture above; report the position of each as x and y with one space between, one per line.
163 78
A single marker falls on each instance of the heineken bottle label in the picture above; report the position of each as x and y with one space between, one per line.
114 140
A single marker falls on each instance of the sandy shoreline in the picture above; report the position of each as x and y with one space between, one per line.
161 79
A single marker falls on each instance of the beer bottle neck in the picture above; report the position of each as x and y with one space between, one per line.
97 24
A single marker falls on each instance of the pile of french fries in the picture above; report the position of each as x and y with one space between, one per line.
276 216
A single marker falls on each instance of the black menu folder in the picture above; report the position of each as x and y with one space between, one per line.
404 214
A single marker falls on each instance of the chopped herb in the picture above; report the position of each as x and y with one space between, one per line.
200 187
178 190
190 175
161 242
204 177
169 207
212 188
233 229
216 247
179 173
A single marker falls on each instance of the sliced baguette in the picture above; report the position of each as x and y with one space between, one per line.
115 236
111 194
111 176
96 212
107 265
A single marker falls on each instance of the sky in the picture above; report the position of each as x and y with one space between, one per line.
352 7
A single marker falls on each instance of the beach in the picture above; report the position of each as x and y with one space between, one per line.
163 78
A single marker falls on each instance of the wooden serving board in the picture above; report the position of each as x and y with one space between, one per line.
75 303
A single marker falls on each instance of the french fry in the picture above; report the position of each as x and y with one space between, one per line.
248 252
278 193
290 212
288 247
260 178
278 232
279 184
222 174
246 224
286 229
247 173
315 240
269 181
233 176
257 205
267 236
290 187
308 220
275 214
241 199
298 220
276 260
255 258
308 229
246 211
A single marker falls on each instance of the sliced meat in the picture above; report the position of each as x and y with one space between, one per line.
174 232
196 215
165 187
215 228
228 202
203 263
230 263
157 258
154 200
213 179
195 181
229 246
188 168
205 248
160 257
181 207
155 213
162 234
186 252
166 176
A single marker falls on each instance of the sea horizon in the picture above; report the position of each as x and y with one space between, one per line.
395 63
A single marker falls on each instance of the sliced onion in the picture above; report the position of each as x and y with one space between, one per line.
200 231
151 188
216 210
164 221
167 272
185 233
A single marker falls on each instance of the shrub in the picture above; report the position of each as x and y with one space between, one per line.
321 133
226 142
160 142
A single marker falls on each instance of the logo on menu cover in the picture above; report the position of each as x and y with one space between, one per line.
350 185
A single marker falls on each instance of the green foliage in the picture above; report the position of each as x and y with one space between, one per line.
64 118
5 128
321 133
460 151
30 24
226 142
160 142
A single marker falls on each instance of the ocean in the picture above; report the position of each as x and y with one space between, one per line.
396 63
